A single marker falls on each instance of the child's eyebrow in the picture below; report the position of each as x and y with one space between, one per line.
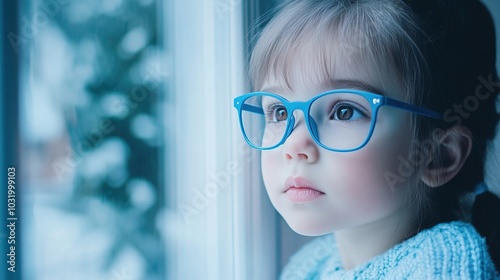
354 84
272 89
336 84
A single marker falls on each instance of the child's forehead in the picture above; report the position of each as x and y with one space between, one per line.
274 86
309 69
319 42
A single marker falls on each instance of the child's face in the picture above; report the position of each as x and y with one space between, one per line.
334 190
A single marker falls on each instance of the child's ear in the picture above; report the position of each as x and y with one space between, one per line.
453 148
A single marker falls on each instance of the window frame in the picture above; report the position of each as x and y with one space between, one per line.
9 124
233 236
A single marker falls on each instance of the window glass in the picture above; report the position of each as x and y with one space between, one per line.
92 135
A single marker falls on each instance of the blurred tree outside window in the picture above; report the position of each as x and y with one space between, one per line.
93 89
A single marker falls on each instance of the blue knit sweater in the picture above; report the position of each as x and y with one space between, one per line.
447 251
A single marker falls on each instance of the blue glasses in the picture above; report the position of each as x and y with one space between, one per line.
338 120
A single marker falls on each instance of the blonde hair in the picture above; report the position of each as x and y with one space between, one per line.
382 31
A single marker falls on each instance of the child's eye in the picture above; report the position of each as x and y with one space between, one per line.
346 112
277 113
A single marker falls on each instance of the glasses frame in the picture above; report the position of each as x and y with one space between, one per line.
375 100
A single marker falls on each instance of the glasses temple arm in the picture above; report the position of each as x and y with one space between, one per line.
254 109
413 108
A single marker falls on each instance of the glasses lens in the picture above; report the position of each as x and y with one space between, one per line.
264 119
341 121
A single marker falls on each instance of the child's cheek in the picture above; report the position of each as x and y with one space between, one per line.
271 162
365 181
364 192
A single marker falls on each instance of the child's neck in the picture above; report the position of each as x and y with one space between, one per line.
360 244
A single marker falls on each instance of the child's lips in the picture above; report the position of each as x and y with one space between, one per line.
299 189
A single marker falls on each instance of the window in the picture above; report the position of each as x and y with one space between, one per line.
91 133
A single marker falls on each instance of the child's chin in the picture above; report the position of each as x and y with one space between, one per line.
308 229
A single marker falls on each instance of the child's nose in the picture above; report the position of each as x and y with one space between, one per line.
299 145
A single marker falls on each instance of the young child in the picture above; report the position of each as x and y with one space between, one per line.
374 118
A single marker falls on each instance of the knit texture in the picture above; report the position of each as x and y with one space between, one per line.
447 251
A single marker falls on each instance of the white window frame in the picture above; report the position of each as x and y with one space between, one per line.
234 234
